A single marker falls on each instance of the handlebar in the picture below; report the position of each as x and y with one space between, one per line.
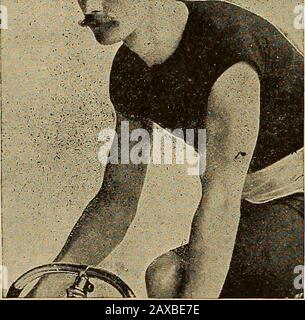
81 285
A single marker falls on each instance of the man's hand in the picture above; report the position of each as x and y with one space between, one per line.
52 286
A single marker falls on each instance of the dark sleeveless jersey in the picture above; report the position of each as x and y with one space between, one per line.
175 94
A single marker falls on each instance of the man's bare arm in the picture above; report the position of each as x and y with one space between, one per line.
232 129
105 220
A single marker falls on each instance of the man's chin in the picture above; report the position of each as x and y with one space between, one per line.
105 41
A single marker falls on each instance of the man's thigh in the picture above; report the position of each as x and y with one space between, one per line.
269 245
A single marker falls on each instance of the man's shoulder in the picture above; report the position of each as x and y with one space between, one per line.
225 17
217 8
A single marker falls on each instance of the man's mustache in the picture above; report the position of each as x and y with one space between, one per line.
93 21
89 21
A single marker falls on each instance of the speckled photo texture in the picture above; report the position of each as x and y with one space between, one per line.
55 101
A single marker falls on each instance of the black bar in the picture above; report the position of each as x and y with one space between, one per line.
157 309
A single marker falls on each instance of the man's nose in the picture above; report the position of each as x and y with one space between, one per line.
94 15
91 20
93 7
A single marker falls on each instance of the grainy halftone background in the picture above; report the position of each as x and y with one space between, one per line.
55 102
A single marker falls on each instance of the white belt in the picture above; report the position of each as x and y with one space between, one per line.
283 178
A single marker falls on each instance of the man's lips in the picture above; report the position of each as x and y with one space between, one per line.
98 23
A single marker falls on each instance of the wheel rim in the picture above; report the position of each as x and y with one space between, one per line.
64 268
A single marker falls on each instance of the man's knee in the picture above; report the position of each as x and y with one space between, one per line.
163 276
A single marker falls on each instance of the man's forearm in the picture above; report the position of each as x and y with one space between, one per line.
106 219
100 229
211 247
